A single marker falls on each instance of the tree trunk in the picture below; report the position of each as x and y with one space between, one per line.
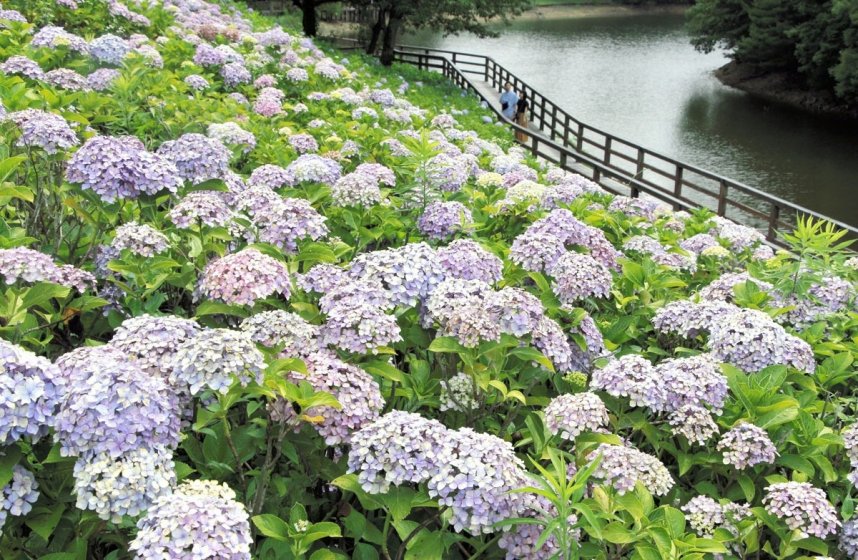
311 25
391 34
377 28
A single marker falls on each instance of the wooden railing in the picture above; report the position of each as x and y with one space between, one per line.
618 165
350 15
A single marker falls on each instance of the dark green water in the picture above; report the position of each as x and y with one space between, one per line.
638 78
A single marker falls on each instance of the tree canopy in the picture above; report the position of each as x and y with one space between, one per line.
816 40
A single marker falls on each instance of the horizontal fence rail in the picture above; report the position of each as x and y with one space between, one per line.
618 165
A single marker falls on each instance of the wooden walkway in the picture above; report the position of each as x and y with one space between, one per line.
618 165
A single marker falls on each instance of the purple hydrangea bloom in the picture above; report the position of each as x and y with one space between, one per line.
803 507
231 134
109 49
747 445
244 277
689 381
288 331
22 491
311 168
738 236
722 288
577 276
32 266
689 319
22 65
102 79
40 129
694 422
399 447
362 186
30 391
516 311
203 207
443 219
206 55
150 342
114 408
323 278
705 515
114 487
630 376
459 393
11 15
453 293
141 239
468 260
196 82
199 515
570 415
197 157
536 251
51 37
280 221
751 341
67 79
409 273
849 538
548 337
447 173
297 75
698 243
303 143
477 481
215 358
268 175
356 390
234 74
120 167
622 467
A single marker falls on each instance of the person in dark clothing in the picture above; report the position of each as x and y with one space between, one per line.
521 116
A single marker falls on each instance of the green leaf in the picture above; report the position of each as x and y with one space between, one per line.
617 534
316 253
209 307
530 354
747 486
271 526
349 482
7 463
44 521
322 530
8 190
385 369
41 293
446 344
325 554
8 165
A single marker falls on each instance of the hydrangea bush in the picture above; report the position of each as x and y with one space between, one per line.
260 299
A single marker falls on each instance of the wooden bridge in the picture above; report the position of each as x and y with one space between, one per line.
618 165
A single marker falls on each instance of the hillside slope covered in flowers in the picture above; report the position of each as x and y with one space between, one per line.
258 300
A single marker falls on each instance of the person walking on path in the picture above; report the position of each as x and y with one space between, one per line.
521 109
509 101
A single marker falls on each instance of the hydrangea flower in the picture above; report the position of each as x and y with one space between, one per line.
751 341
30 390
40 129
477 481
698 243
279 328
747 445
51 36
197 157
515 310
409 273
268 175
738 236
235 74
22 65
206 55
21 263
356 390
67 79
297 75
689 319
116 408
399 447
311 168
696 380
102 79
848 539
722 288
244 277
570 415
630 376
443 219
802 507
447 173
622 467
230 134
199 516
468 260
694 422
705 515
114 487
150 342
280 221
141 239
19 495
536 251
359 327
303 143
120 167
459 393
362 186
200 207
577 276
215 358
109 49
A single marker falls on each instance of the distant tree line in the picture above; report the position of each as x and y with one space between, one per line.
816 40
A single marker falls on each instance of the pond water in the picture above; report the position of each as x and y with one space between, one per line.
637 76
